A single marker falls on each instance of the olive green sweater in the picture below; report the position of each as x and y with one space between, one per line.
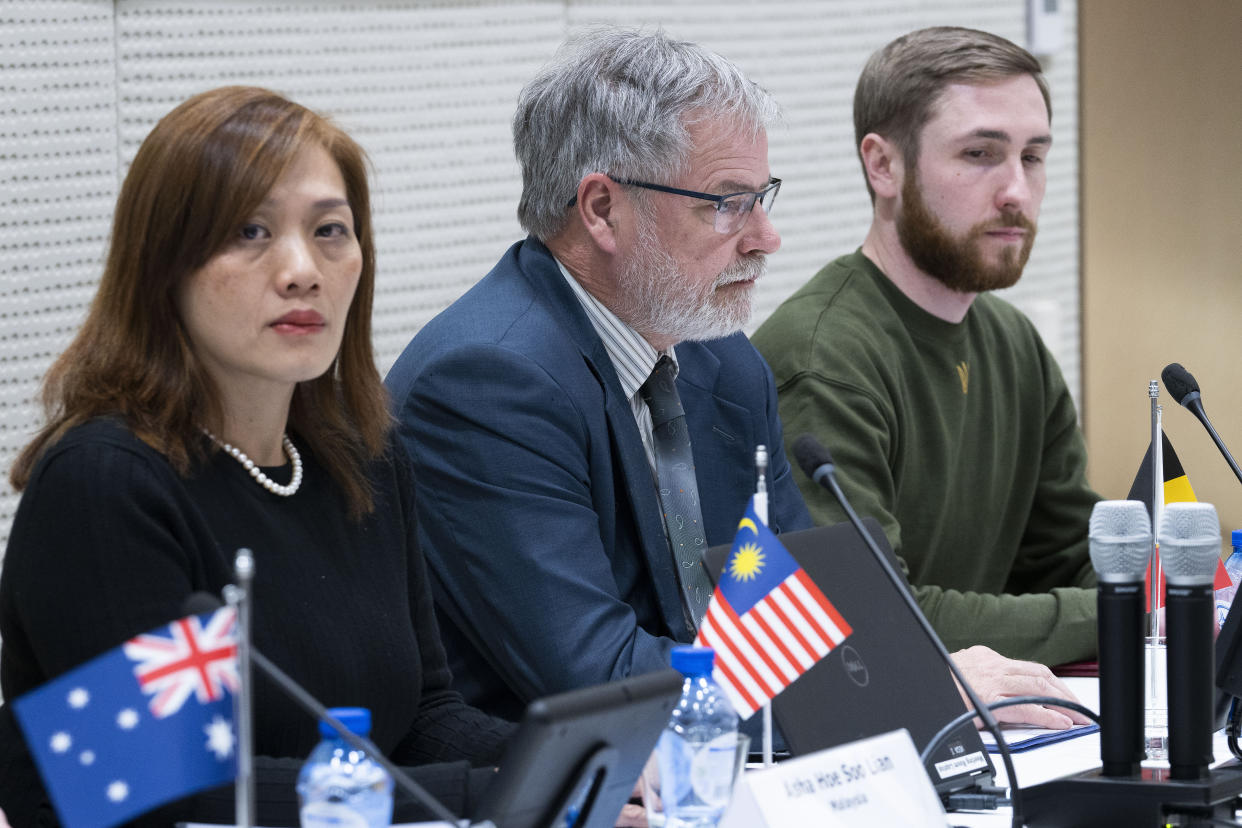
961 440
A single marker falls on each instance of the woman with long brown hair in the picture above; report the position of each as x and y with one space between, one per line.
222 393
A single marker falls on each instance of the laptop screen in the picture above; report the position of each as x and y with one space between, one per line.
886 675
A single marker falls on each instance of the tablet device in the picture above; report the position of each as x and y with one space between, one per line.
576 756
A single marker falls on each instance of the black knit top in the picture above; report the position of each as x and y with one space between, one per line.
108 542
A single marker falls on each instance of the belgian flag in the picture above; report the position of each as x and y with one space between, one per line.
1177 489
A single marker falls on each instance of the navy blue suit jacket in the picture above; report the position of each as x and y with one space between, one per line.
538 512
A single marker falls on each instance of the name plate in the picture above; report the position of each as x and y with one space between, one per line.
875 781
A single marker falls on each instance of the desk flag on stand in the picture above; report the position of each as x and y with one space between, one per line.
767 621
1177 489
146 723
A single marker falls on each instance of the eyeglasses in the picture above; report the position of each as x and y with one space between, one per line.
732 209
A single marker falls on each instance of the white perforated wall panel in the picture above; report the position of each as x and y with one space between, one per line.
58 183
428 89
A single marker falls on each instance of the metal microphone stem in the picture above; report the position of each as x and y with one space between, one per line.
1196 408
200 602
312 705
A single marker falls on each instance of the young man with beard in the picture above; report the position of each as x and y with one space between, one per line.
949 420
646 192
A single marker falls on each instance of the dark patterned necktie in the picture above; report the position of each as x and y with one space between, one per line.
679 491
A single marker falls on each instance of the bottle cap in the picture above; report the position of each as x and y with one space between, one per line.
356 719
693 661
1235 538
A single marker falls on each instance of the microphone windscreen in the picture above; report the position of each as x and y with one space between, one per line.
1119 540
1189 543
197 603
1178 382
810 454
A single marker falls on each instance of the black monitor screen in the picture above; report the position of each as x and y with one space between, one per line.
580 750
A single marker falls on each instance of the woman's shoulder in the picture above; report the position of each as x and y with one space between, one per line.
102 450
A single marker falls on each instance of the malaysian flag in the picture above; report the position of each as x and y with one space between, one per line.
768 622
146 723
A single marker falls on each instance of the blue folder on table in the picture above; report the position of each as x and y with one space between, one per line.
1026 738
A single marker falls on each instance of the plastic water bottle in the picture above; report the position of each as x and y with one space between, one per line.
698 748
340 786
1233 566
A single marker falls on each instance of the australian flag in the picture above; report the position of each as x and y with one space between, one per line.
144 724
768 622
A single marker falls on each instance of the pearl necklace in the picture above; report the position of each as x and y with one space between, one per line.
257 473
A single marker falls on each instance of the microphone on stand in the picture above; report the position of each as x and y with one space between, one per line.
200 602
1190 546
816 462
1185 389
1191 788
1119 537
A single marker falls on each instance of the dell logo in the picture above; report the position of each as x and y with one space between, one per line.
855 667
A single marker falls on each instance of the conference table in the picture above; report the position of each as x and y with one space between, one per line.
1036 765
1041 764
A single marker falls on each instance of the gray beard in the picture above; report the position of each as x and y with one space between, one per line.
657 298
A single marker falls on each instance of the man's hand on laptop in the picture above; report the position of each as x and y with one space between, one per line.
995 677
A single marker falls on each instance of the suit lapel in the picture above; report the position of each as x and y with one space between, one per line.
722 439
627 446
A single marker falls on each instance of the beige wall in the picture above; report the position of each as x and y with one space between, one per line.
1162 233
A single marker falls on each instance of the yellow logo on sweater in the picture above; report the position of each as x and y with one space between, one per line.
963 374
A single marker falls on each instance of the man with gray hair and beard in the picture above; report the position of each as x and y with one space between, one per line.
583 421
949 420
528 404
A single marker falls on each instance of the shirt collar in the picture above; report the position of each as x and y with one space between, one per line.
632 356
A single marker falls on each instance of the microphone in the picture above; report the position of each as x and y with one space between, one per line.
1181 384
814 459
1119 538
201 602
1190 548
816 462
1183 388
